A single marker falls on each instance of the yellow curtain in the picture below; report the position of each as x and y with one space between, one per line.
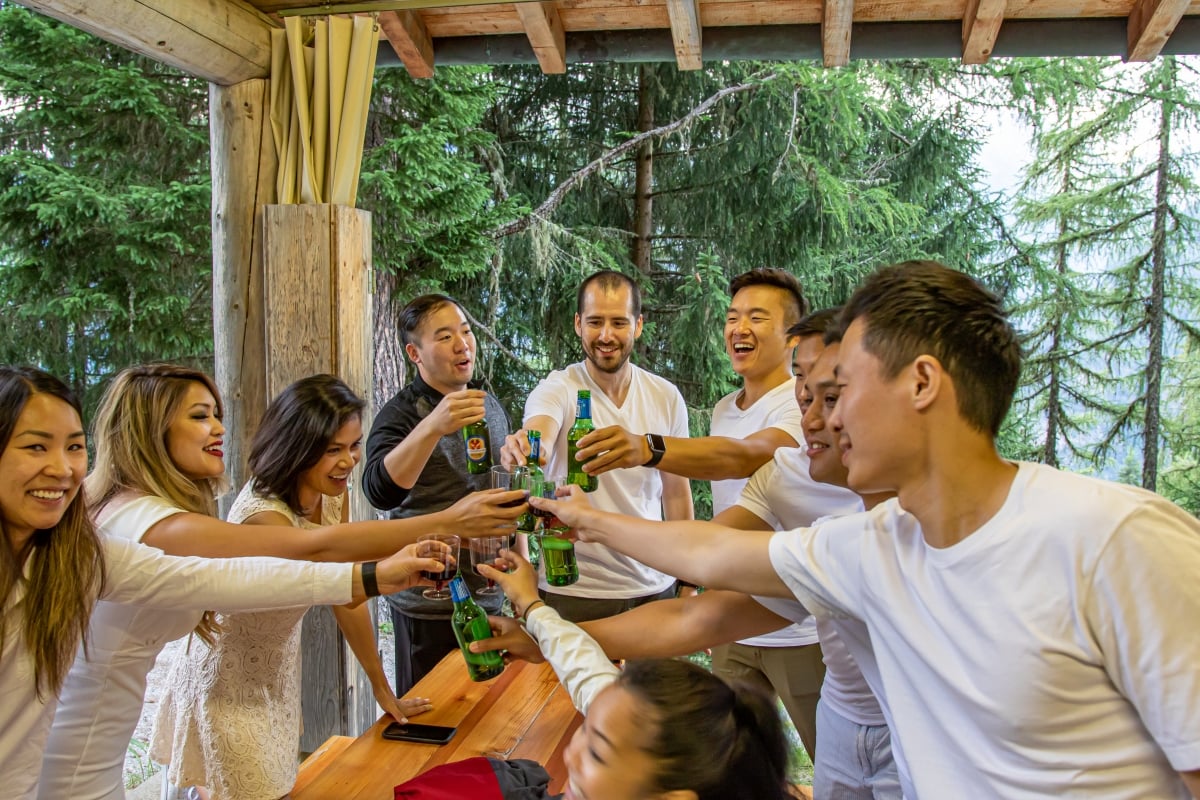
321 72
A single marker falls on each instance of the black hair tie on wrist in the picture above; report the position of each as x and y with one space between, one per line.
370 584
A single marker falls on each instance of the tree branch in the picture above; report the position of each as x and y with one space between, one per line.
560 192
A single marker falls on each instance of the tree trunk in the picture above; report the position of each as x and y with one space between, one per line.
1054 391
389 352
643 202
1155 312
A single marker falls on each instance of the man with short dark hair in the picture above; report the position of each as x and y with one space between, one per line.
1032 629
609 322
417 462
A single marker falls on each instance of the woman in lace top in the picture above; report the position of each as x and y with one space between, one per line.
230 719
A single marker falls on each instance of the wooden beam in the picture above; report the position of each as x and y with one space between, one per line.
685 32
223 41
1151 23
836 20
545 31
981 25
407 34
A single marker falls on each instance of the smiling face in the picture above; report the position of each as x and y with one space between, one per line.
756 324
817 399
873 419
195 436
606 759
607 326
330 475
443 348
43 465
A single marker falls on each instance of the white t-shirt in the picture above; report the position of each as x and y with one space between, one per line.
103 694
652 405
784 495
1051 653
775 409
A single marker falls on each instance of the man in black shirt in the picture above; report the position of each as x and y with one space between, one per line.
417 462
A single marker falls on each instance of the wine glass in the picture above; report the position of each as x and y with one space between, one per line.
485 550
511 479
449 561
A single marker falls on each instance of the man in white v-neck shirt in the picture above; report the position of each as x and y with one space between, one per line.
609 322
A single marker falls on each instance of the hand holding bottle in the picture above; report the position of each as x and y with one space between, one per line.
456 411
611 448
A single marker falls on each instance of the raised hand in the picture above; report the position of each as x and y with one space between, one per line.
612 448
457 410
509 636
573 508
520 582
483 513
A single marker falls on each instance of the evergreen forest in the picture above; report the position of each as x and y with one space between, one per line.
504 186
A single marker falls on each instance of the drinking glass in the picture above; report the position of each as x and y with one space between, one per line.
557 552
450 564
485 550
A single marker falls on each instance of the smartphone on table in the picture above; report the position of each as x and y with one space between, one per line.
412 732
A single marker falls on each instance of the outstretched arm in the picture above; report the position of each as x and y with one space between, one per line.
702 553
708 458
480 513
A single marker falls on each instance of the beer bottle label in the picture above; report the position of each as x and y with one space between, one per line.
477 449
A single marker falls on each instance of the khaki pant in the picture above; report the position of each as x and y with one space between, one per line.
793 674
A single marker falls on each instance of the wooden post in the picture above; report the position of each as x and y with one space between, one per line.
317 305
243 178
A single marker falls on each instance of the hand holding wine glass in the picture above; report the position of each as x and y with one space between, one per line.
490 512
444 548
485 550
406 568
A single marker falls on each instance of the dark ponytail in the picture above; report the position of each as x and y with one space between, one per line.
721 742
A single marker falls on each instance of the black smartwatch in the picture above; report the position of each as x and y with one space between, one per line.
658 449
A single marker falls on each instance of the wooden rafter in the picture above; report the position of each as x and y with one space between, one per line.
545 31
1151 23
222 41
836 20
981 26
685 32
407 34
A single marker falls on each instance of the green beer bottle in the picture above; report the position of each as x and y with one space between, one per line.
582 427
558 559
470 625
528 521
479 452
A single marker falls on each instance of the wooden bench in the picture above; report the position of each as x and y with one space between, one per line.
524 713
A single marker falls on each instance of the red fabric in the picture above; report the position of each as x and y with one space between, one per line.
473 778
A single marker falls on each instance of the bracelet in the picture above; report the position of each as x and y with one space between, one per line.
528 608
370 584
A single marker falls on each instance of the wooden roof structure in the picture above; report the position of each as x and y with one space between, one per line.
227 41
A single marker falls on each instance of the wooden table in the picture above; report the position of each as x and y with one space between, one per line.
524 713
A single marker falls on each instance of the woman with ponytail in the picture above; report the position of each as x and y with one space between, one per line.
659 729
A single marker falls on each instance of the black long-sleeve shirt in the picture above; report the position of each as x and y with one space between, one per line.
443 481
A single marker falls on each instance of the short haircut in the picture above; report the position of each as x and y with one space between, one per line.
295 431
779 279
817 323
925 308
418 310
608 280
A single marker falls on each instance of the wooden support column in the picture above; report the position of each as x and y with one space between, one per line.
1151 23
981 26
408 37
243 181
546 35
837 18
317 304
686 32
